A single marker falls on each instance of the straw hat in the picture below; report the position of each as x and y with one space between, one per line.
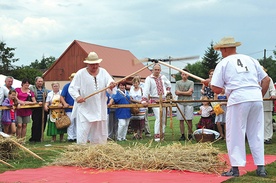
226 42
92 58
72 75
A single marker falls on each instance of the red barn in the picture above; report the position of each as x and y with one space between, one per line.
118 62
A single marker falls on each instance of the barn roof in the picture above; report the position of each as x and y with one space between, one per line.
118 62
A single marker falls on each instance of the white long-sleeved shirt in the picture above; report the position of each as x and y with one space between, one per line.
268 105
150 87
95 107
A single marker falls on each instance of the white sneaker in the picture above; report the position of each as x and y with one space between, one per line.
157 139
148 135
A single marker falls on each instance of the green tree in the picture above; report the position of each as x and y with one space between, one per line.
209 60
196 69
22 72
44 64
201 68
36 68
6 59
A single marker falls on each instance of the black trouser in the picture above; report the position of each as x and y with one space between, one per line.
37 124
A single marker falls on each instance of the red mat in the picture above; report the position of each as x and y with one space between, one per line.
59 174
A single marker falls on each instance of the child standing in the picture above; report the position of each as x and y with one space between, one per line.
220 119
206 112
9 115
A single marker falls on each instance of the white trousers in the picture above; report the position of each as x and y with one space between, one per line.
122 128
156 112
245 118
95 132
268 126
71 130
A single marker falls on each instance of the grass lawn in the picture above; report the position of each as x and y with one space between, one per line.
48 151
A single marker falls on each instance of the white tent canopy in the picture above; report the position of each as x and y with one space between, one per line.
16 83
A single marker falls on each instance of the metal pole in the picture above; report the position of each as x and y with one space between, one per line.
264 58
170 70
43 116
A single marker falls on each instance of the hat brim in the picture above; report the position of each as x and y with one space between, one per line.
93 61
219 46
72 75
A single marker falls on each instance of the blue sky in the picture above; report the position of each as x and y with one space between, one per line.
147 28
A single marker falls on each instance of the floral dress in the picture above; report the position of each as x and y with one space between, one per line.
54 100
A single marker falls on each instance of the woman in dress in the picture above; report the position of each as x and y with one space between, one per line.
206 89
123 114
137 121
25 97
53 99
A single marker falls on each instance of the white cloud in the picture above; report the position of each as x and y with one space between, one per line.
10 28
41 28
148 28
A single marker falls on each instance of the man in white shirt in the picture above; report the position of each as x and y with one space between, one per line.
156 85
245 84
91 113
2 97
268 108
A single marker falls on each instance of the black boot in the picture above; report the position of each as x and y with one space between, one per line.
261 172
233 172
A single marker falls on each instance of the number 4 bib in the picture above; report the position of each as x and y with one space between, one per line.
240 67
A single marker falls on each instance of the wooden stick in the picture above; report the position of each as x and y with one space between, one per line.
180 70
166 120
21 107
42 116
190 128
104 89
194 101
34 106
134 105
26 149
140 105
171 119
57 107
135 61
161 118
5 163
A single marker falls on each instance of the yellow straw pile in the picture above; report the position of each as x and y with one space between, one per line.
200 157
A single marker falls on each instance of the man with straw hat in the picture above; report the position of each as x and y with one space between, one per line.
67 101
91 113
245 84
